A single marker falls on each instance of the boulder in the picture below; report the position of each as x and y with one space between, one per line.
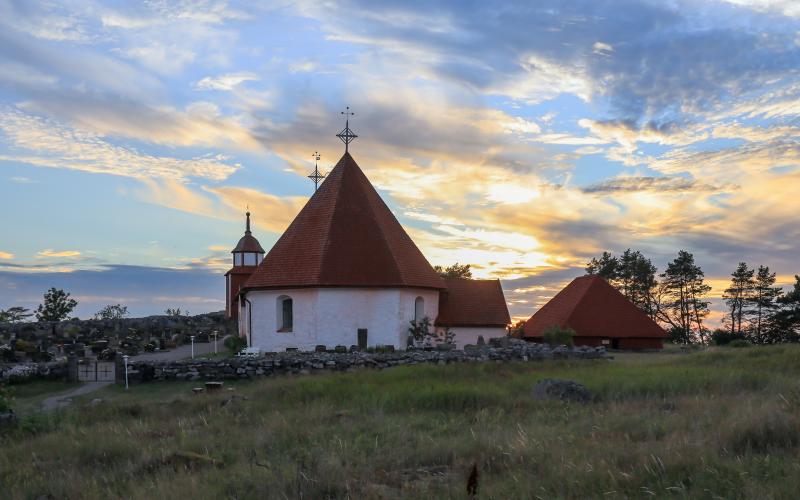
562 390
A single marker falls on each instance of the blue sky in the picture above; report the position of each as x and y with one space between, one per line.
523 138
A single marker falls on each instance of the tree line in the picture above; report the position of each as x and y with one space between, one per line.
57 305
677 298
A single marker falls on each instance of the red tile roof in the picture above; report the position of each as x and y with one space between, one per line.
593 308
345 236
469 302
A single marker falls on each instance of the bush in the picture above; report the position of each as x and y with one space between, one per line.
555 336
740 343
235 343
724 337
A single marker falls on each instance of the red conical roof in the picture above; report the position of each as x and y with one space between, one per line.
593 308
345 236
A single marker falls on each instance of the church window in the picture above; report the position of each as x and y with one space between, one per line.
419 309
285 314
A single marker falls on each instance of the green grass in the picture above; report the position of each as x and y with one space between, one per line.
718 424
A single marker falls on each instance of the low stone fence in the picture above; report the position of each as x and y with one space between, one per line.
308 362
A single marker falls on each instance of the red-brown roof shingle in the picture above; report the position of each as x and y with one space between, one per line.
593 308
345 236
468 302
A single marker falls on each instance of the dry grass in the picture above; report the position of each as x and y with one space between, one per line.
710 424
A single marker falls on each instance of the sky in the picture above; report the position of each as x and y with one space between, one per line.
522 138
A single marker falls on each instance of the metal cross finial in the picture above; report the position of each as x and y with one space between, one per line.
347 136
316 176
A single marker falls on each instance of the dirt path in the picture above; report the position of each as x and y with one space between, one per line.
65 398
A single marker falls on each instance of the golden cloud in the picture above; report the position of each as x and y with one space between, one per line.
50 253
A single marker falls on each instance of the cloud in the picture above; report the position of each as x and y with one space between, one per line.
50 253
658 184
6 255
227 81
45 143
22 180
270 212
489 49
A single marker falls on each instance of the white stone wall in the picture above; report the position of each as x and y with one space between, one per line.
469 335
332 316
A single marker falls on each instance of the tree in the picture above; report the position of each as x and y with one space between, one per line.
455 271
738 294
606 266
682 289
15 314
787 318
56 306
176 312
632 274
117 311
763 303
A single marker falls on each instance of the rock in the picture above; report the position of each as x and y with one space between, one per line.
563 390
95 402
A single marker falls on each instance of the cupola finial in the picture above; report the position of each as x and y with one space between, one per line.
247 227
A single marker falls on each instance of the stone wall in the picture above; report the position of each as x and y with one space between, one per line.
308 362
25 372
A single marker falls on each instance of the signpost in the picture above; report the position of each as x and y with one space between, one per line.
192 337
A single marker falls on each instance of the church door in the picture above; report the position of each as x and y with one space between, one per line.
362 338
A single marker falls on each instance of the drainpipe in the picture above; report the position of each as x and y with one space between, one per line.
249 321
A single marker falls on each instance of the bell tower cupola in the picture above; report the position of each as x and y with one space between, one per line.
247 255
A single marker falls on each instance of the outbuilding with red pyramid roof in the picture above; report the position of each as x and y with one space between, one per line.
599 314
345 272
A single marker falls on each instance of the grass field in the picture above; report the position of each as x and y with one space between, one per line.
722 424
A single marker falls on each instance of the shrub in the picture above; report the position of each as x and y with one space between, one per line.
235 343
740 343
724 337
555 336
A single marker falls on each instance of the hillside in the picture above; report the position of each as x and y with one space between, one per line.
723 423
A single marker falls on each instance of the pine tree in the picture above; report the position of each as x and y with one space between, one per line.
737 295
684 288
632 274
762 303
787 319
606 266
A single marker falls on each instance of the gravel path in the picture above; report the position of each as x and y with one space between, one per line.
182 352
65 398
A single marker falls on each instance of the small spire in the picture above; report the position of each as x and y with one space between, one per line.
347 136
247 227
316 176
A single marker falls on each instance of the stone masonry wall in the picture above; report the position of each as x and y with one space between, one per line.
308 362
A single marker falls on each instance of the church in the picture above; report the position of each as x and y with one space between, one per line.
346 273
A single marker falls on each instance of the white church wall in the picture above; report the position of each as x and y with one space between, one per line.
469 335
408 310
332 316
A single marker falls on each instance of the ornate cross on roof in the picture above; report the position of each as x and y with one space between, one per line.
347 136
316 176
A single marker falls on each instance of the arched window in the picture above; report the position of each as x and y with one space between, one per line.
285 314
419 309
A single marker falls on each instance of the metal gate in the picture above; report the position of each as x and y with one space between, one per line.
96 371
